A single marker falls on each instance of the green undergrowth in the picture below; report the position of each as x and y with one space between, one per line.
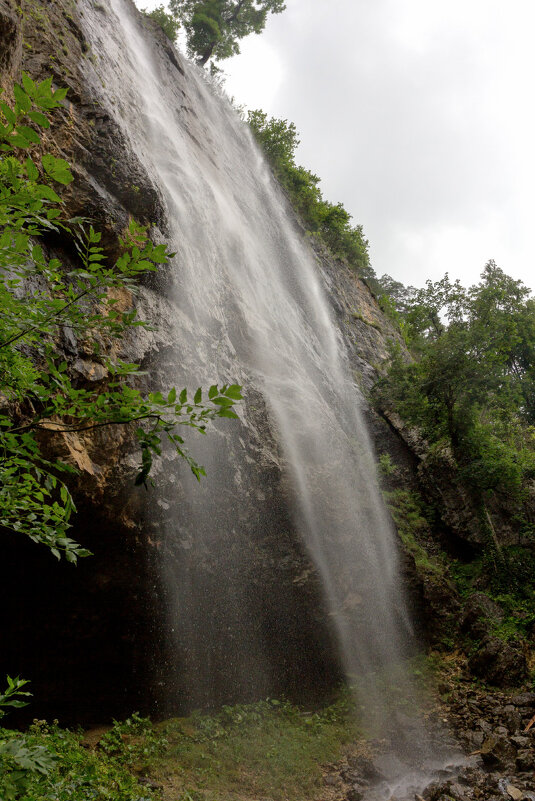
49 763
509 580
412 522
269 750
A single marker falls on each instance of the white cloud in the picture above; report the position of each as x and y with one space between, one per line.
417 116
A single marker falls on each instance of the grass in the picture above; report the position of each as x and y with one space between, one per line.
267 750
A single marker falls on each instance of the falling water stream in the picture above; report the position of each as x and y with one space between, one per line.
250 305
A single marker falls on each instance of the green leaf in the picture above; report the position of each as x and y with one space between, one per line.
47 193
234 392
58 169
8 113
29 85
18 140
31 170
225 412
22 99
28 134
39 119
60 94
198 396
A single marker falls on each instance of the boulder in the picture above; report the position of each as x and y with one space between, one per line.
502 664
479 613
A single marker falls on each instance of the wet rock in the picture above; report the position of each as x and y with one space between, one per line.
524 699
433 791
478 614
497 751
514 793
364 767
458 792
475 738
331 780
446 791
10 35
525 759
500 663
387 766
519 741
355 793
511 718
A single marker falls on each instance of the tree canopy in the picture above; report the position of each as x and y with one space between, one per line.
472 382
214 27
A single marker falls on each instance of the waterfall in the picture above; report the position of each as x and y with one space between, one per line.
250 306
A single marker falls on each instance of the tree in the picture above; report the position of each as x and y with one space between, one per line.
214 27
400 295
472 382
41 300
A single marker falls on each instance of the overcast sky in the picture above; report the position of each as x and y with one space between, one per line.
418 116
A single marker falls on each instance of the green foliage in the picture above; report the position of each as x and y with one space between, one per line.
412 522
41 301
19 762
509 582
270 749
133 742
49 763
395 295
13 694
214 27
167 21
470 386
330 222
386 466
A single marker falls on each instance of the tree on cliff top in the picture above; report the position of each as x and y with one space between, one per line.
213 27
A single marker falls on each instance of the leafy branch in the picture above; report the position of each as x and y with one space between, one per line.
39 300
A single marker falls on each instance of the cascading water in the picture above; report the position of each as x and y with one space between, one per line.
249 305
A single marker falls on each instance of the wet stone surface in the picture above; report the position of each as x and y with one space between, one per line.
493 733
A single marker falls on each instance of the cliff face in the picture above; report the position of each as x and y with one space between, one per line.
111 615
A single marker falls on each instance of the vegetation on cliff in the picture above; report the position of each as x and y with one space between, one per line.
44 301
468 388
330 222
169 24
214 27
471 385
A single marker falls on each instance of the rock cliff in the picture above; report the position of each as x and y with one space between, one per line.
111 616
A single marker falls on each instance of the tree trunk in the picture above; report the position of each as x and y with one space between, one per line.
207 53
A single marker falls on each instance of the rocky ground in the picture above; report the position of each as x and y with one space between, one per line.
490 737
